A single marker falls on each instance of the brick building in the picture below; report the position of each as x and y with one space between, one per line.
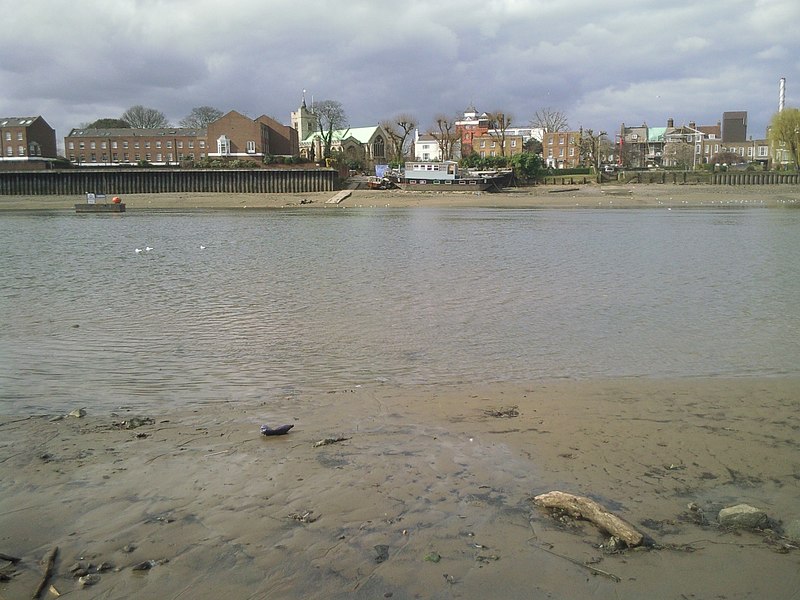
28 143
239 137
107 147
496 143
561 149
469 128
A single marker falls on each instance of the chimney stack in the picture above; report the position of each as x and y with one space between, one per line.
670 122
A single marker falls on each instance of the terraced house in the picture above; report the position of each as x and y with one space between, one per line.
109 147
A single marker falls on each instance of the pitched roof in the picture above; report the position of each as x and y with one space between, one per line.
362 134
16 121
131 132
656 134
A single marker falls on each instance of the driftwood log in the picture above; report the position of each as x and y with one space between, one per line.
50 561
586 508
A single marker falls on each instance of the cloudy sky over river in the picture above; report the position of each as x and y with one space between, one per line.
601 63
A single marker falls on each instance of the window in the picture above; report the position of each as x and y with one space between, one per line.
8 136
103 145
379 147
762 151
115 157
9 151
426 147
147 156
169 144
572 151
114 145
125 145
138 157
561 152
71 145
169 156
82 145
223 145
20 150
492 153
158 144
513 143
93 145
94 157
136 145
191 144
126 157
251 147
202 144
494 144
147 144
561 140
19 136
483 143
180 144
158 157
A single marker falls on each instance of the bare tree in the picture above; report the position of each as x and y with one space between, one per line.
399 131
550 120
140 117
499 122
200 117
590 147
445 135
330 117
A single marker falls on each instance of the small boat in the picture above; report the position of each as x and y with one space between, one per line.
436 176
93 206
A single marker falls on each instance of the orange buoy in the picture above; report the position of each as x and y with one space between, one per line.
116 200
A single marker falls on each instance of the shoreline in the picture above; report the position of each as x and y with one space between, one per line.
426 492
583 196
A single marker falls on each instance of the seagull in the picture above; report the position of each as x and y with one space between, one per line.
138 250
148 248
202 247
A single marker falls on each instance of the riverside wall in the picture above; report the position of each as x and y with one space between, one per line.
155 181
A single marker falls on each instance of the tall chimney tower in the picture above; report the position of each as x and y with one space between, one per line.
782 94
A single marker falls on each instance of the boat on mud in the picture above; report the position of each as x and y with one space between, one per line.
438 176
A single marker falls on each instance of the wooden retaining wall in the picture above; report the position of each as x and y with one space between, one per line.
156 181
755 178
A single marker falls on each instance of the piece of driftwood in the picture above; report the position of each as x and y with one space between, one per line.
50 561
586 508
9 558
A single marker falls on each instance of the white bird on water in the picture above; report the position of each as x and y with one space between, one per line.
148 248
138 250
202 247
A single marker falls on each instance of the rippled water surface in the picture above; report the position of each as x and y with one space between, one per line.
243 304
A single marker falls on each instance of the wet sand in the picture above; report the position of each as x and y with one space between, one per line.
584 196
423 472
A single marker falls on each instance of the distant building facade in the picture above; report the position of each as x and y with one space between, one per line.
561 149
28 143
109 147
235 136
472 125
426 147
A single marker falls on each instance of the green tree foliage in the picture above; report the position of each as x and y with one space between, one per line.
528 166
109 124
784 133
141 117
200 117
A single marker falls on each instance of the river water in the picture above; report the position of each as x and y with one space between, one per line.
240 305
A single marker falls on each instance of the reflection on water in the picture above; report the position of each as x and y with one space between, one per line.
233 304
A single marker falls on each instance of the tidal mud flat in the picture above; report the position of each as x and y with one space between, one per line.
416 492
583 196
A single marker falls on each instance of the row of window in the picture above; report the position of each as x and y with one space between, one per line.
20 136
114 145
126 158
494 144
33 150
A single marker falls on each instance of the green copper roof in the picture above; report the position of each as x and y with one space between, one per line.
656 134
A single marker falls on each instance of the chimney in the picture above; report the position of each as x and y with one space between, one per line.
692 125
670 122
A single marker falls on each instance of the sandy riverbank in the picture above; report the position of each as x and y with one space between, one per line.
428 495
585 196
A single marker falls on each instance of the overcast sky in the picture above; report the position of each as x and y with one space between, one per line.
600 63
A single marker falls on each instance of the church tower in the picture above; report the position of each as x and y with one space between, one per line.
303 120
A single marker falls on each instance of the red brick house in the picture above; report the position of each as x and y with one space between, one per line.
28 143
236 136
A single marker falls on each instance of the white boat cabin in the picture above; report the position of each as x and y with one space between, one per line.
443 171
